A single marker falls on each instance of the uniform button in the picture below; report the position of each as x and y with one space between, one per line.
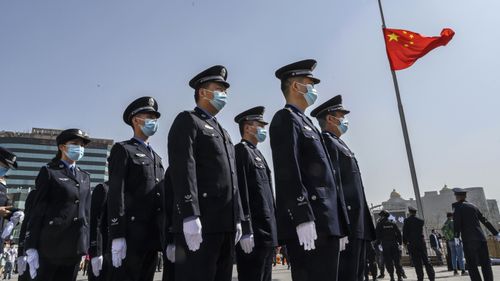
158 194
77 185
157 180
51 222
205 195
313 197
77 201
159 209
75 219
132 218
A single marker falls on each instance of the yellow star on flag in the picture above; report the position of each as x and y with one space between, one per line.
393 37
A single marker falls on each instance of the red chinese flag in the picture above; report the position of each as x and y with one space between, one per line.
405 47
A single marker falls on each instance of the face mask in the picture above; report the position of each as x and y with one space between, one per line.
3 171
311 95
219 100
344 125
150 127
75 152
261 134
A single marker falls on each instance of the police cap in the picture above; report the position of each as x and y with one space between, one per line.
71 134
8 158
140 105
217 74
460 191
252 114
303 68
331 105
384 214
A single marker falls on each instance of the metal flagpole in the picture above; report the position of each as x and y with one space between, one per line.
405 131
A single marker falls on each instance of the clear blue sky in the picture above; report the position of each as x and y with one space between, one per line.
79 63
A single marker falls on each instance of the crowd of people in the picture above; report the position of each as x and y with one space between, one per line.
214 204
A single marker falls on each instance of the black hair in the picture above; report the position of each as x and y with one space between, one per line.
58 156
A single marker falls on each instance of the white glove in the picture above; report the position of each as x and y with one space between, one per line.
247 243
21 264
17 217
170 252
7 230
118 251
497 237
33 262
239 233
96 265
192 233
307 234
380 248
457 241
343 243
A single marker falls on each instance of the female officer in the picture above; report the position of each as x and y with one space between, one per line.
57 234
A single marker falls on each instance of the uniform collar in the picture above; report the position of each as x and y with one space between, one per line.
203 111
294 108
248 143
68 165
140 141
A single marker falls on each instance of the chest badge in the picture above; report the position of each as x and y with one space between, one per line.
258 159
140 155
209 127
63 179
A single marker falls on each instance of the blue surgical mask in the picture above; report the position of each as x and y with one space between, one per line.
344 125
3 171
261 134
150 127
219 99
75 152
311 95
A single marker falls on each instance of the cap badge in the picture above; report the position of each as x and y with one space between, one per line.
151 102
223 72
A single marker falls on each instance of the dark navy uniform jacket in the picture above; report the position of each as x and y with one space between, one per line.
203 171
413 231
388 232
361 224
466 218
99 221
306 188
135 197
28 206
257 199
58 225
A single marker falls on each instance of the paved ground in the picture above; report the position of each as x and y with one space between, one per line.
281 273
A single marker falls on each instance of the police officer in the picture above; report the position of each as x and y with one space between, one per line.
24 274
57 234
9 216
254 255
413 238
98 251
333 123
310 206
466 218
389 236
135 197
207 206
